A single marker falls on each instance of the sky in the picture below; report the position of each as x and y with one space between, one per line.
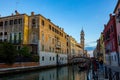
72 15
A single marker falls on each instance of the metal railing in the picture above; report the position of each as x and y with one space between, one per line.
112 73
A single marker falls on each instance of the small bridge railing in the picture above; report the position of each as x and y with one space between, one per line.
112 72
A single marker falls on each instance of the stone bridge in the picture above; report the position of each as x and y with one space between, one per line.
80 59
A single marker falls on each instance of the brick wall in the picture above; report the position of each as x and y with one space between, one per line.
24 64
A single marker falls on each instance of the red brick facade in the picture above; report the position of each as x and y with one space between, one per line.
110 35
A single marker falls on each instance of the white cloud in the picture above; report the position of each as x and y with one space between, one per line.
91 53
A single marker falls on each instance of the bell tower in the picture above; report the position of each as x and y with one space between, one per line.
82 39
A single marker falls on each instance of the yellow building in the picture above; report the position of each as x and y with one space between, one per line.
102 48
75 48
39 33
52 37
78 49
14 29
23 29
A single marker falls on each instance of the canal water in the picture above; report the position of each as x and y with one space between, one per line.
63 73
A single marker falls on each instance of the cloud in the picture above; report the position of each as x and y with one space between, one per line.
91 43
91 53
90 48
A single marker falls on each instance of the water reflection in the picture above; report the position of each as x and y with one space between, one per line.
64 73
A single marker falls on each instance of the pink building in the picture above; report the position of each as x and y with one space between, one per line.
117 13
110 41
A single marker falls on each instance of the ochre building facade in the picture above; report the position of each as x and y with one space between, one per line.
38 33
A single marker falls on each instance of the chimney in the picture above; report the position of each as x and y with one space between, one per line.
110 16
32 13
104 25
16 12
49 20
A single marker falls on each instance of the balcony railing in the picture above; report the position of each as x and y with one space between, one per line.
58 44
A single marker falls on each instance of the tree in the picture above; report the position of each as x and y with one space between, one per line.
24 52
8 52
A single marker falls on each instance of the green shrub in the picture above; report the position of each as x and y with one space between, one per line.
8 52
35 58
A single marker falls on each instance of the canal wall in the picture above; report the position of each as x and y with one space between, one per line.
15 70
48 58
62 59
45 59
20 64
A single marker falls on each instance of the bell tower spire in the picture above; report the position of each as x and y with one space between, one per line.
82 39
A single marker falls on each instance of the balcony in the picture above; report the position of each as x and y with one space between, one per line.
58 45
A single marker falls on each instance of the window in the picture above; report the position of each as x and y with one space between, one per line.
53 29
15 21
73 51
119 39
5 40
52 40
112 28
19 37
6 23
43 23
1 23
67 51
65 37
111 58
67 44
50 58
43 58
42 37
42 78
15 37
10 38
33 21
42 47
50 49
115 58
20 21
53 50
11 22
62 59
1 33
62 34
53 77
50 27
50 76
118 10
57 31
53 58
19 47
5 33
0 40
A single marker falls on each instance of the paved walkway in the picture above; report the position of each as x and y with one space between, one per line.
101 75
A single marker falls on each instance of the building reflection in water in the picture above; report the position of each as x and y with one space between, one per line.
64 73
